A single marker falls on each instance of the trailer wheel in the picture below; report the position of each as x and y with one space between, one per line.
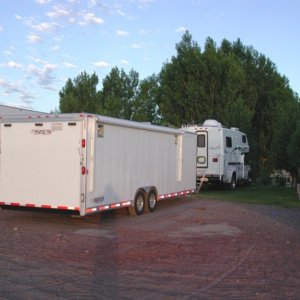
232 184
151 201
138 205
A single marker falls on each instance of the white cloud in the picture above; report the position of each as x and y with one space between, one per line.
34 38
92 2
58 12
39 60
1 29
144 3
180 29
143 32
69 66
44 75
9 51
122 33
16 87
55 48
101 64
13 64
18 17
91 18
41 2
124 61
44 27
136 46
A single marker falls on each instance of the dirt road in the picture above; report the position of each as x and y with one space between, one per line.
186 249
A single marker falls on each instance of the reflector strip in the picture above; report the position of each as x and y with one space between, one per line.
108 207
62 207
46 206
168 196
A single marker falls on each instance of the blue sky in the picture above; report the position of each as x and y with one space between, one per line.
45 42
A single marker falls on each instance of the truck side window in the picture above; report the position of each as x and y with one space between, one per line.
228 142
244 139
201 141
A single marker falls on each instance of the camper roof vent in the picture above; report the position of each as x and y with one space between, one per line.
213 123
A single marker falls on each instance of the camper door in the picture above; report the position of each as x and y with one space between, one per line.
202 149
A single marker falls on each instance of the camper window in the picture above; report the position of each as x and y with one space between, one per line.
201 141
244 139
228 142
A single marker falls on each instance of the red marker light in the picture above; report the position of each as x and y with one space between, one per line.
83 170
215 159
83 143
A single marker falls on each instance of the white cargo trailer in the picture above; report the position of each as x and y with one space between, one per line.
91 163
221 154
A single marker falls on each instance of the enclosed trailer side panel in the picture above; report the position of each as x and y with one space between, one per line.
40 164
126 159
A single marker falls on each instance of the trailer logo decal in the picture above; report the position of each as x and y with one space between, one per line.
41 131
57 126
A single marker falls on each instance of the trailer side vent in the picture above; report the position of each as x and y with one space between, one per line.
7 125
100 131
72 124
39 124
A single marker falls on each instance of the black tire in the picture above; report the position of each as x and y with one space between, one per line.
138 205
151 201
232 184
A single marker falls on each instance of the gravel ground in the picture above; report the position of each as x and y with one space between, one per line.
189 248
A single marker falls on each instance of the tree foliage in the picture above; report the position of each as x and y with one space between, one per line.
80 94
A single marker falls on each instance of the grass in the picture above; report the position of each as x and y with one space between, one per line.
259 194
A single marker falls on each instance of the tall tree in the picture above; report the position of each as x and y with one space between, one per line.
118 93
80 94
181 88
293 152
145 107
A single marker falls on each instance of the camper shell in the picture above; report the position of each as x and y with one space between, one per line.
221 154
90 163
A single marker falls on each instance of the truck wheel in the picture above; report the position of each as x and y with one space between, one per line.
232 184
151 201
138 205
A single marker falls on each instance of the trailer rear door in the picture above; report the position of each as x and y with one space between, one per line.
40 164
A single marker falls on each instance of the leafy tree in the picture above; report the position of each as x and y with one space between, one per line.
293 151
145 106
287 114
181 84
80 94
118 93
